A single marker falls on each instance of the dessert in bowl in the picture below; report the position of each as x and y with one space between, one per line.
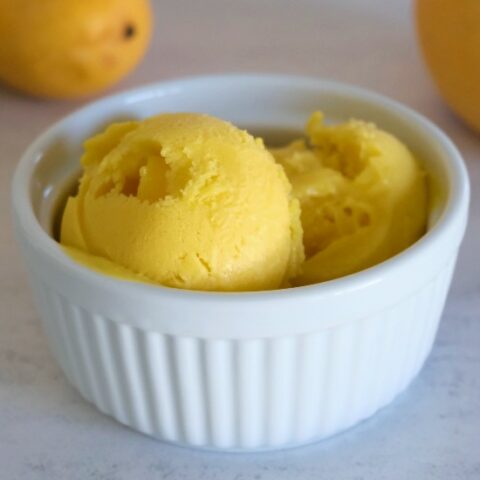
190 201
241 370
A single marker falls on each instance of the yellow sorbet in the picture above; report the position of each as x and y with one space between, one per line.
184 200
363 196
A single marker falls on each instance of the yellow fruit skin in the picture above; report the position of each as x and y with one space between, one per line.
449 34
71 48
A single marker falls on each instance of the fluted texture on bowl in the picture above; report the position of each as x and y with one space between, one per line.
243 394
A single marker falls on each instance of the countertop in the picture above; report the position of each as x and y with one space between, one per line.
432 431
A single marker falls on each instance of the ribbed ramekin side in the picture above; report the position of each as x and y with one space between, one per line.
347 373
242 394
50 316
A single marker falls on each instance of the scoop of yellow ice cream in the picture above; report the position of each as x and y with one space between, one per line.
184 200
362 194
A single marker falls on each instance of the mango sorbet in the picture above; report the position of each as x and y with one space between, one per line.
362 194
187 201
190 201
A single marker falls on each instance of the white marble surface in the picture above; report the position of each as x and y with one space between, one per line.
431 432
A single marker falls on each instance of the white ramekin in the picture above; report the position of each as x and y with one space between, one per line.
241 371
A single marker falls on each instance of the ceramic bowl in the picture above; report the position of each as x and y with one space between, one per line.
241 371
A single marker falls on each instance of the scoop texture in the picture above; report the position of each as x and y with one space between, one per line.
362 194
187 201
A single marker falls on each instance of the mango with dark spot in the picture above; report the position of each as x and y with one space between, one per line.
67 49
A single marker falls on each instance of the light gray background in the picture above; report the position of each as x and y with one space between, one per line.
431 432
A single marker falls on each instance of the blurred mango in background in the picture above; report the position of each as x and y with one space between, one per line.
449 33
71 48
